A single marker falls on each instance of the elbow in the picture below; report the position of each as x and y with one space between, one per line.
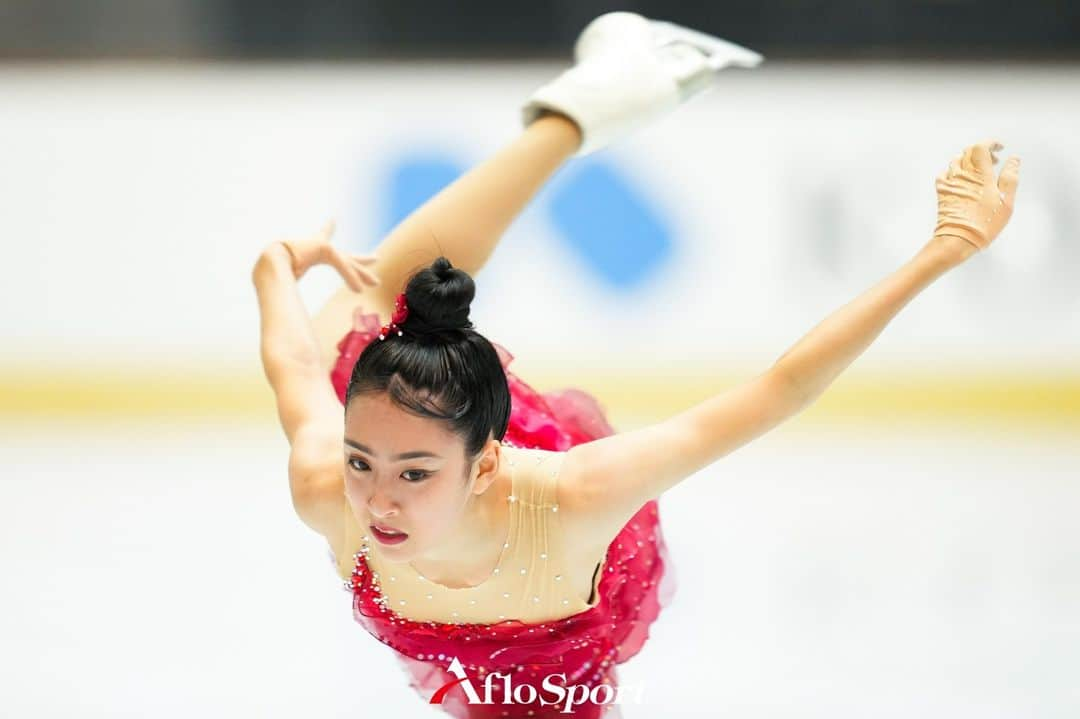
797 396
270 263
263 266
303 491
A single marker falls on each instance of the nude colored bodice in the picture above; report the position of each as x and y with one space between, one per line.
533 581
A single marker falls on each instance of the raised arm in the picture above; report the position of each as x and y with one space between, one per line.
606 481
309 411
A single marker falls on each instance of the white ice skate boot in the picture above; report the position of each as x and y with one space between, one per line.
630 69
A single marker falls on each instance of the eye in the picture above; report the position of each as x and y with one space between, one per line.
421 474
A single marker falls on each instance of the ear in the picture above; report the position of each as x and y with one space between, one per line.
488 464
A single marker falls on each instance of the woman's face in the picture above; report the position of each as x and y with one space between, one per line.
404 473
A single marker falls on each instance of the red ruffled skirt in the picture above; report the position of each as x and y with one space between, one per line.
638 581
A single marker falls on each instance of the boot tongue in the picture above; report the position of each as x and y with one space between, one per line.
688 65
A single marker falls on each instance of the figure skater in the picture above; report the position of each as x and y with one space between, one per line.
504 542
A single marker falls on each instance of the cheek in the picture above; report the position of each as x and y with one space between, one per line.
437 505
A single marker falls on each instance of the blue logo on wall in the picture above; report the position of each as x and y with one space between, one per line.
619 236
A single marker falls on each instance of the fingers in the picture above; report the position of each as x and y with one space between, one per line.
369 277
967 161
1009 179
981 156
352 268
948 186
359 261
956 166
977 158
356 274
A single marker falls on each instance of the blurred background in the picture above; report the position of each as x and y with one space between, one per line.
907 546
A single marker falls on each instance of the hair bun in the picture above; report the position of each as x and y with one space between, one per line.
439 297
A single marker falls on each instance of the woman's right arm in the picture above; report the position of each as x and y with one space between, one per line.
291 358
608 480
308 408
291 355
309 411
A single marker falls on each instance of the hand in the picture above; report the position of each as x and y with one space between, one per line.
317 250
972 206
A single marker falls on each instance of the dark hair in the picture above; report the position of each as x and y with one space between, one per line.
440 367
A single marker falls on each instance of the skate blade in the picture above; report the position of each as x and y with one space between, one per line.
720 52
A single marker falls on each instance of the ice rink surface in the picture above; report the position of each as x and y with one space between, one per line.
902 571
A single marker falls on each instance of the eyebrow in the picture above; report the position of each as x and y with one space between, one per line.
404 455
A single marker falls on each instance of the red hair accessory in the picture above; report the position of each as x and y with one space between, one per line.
401 311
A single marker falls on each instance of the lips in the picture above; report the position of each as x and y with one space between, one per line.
388 530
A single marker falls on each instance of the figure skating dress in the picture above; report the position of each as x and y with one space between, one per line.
524 621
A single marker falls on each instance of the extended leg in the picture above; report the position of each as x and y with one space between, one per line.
464 222
628 69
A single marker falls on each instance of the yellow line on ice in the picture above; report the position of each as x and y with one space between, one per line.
1036 397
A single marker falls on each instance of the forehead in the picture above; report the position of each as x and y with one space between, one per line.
376 419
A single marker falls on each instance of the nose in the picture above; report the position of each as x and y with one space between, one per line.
380 505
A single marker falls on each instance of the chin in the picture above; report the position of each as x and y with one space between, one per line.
398 554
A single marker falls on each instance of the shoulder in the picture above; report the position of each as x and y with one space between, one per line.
535 474
552 480
594 504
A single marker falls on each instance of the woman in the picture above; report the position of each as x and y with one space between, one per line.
506 544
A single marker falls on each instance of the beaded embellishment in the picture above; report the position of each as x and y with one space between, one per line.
392 606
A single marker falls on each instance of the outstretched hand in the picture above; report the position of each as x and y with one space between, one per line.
318 250
973 205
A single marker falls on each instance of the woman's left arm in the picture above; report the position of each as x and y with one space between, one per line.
973 208
606 481
817 359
